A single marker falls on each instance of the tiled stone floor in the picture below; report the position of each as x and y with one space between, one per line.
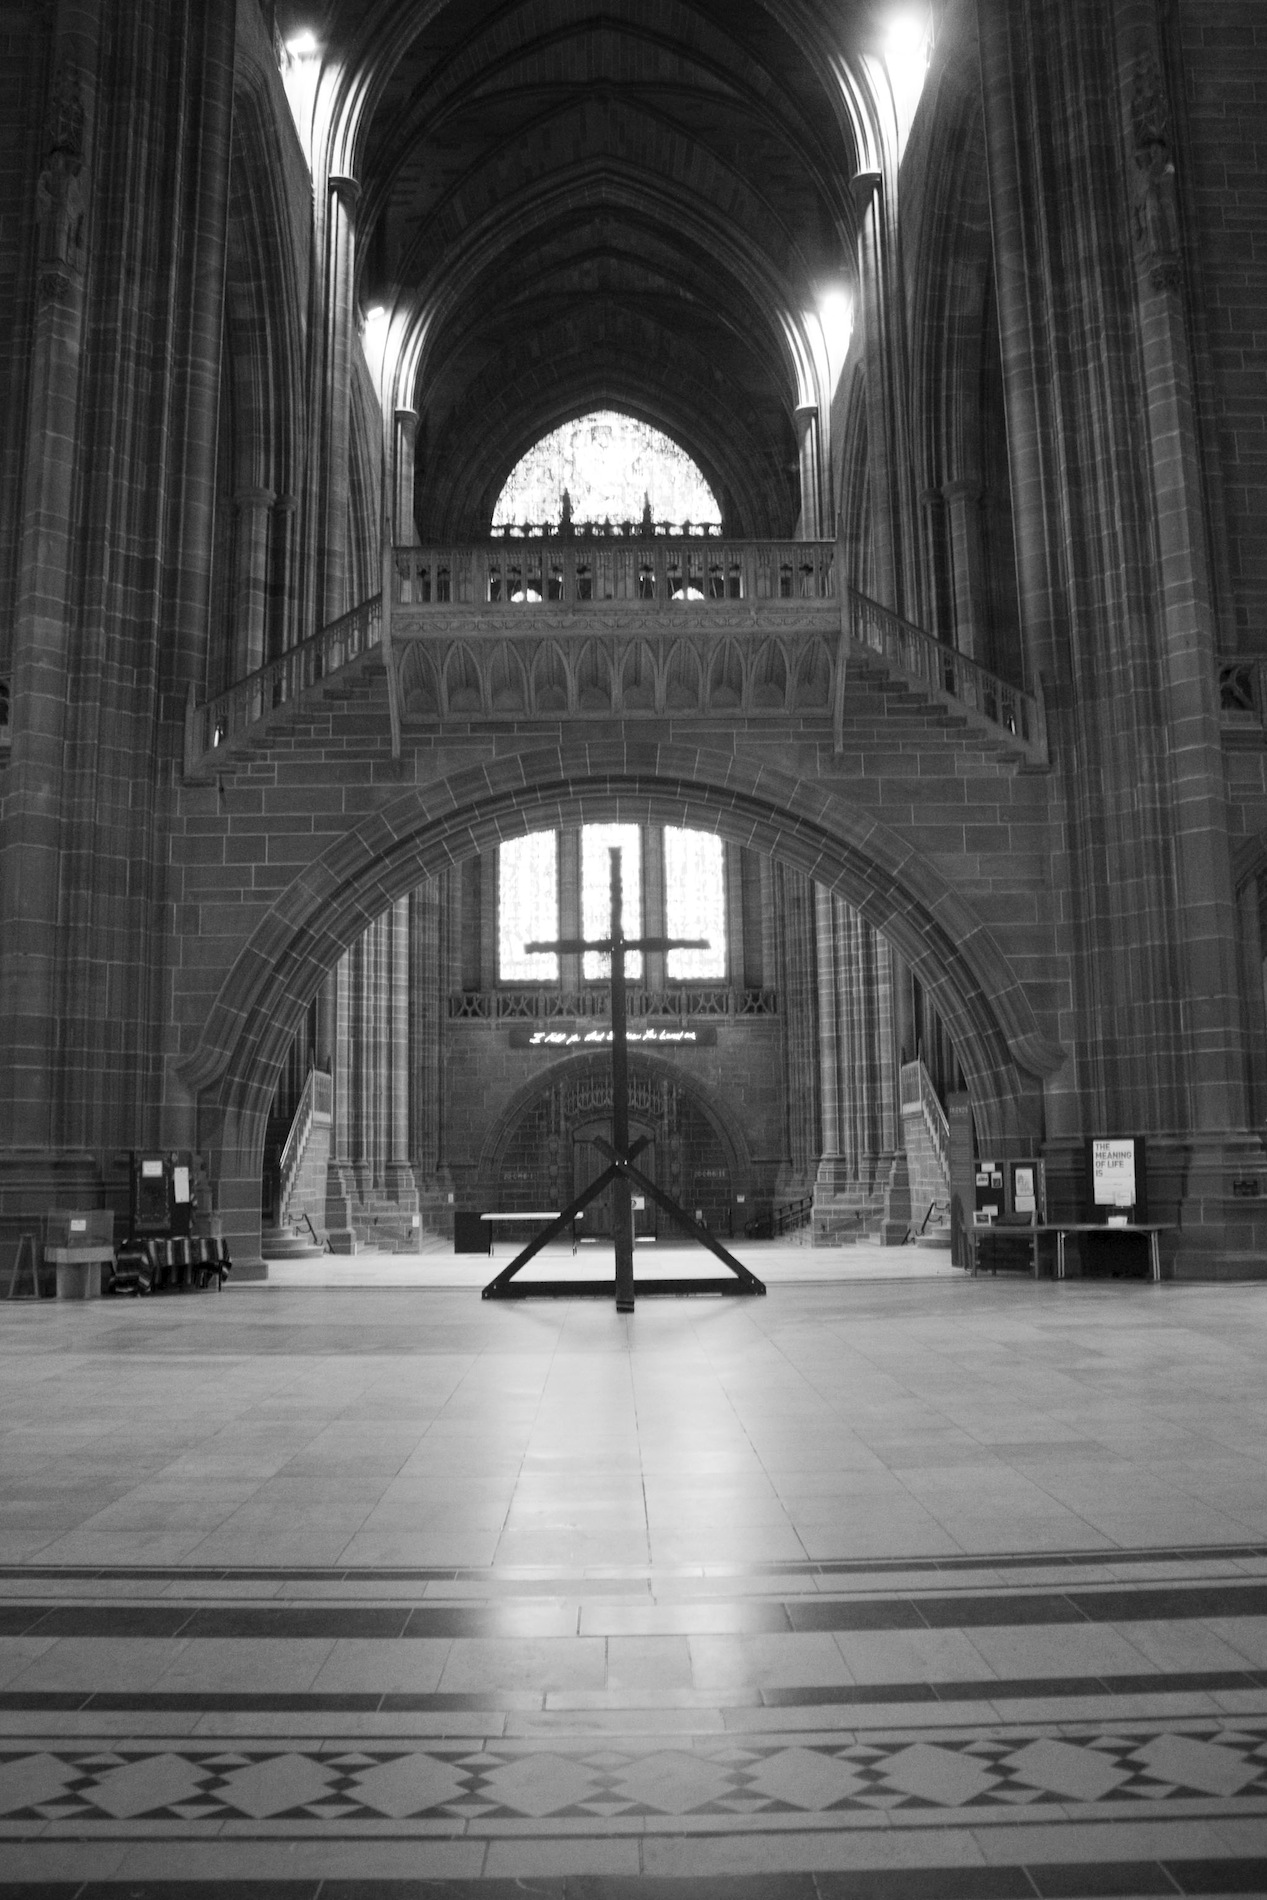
913 1589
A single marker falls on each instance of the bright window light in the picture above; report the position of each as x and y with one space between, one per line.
695 903
528 907
596 910
301 71
907 46
612 467
835 317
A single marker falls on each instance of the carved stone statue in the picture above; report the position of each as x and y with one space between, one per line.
1155 205
60 205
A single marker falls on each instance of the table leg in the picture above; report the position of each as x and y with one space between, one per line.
1154 1255
1060 1255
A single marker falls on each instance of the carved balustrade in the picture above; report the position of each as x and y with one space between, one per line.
279 684
947 671
613 573
552 626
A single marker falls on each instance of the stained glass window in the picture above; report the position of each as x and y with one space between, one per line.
695 903
528 907
596 842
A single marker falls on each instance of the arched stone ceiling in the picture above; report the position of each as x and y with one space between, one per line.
635 203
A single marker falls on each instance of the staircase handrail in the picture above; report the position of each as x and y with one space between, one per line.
315 1101
918 1090
950 674
227 716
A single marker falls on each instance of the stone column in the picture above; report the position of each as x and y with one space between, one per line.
488 920
404 526
30 846
879 313
340 331
253 510
1115 601
856 1182
736 974
811 479
399 1165
426 1030
833 1166
963 503
285 593
796 979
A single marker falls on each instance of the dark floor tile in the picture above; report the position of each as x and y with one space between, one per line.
898 1613
19 1619
975 1612
1174 1605
708 1887
540 1888
40 1890
1016 1687
47 1701
114 1619
241 1621
831 1695
1219 1876
1101 1880
927 1883
194 1890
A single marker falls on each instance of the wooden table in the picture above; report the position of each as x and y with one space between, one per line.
1062 1229
531 1214
1152 1229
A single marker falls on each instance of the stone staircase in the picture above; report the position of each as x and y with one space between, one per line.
926 1137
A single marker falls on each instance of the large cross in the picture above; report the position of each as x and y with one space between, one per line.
620 1174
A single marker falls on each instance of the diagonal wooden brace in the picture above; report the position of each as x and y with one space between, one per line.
495 1288
696 1229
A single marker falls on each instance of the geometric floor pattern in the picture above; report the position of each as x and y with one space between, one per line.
1139 1767
884 1592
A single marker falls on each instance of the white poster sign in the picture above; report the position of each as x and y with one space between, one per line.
1113 1173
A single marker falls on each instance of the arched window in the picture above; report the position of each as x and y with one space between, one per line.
613 469
528 907
695 903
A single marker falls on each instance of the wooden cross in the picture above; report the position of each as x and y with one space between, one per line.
620 1174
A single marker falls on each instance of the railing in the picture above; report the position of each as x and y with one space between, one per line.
918 1092
701 571
231 714
315 1104
947 671
551 1005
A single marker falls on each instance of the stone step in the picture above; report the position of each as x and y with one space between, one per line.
284 1243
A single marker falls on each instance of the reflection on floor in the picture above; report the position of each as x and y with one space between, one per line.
907 1590
775 1262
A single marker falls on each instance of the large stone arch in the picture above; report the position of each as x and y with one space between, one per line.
1003 1048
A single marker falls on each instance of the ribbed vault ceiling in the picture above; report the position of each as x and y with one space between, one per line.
631 204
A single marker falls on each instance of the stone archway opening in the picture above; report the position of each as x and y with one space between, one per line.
962 965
